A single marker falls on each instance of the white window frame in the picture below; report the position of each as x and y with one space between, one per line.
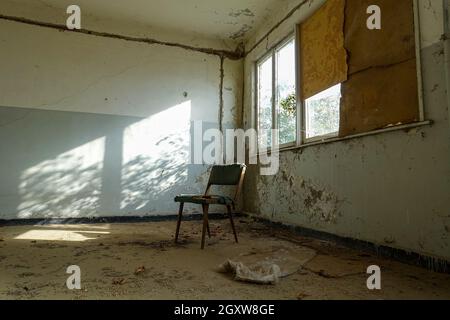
272 53
301 140
316 138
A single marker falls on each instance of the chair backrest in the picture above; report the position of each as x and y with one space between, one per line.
229 175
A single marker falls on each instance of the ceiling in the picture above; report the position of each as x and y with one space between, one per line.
219 19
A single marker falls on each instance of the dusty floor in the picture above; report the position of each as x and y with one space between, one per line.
34 259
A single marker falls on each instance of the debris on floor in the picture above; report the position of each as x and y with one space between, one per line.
317 269
268 266
119 281
139 270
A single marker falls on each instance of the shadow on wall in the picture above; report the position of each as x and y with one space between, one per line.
69 165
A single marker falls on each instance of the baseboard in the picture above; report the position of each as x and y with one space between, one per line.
120 219
412 258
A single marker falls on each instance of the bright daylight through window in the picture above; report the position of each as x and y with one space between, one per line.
322 113
277 103
265 102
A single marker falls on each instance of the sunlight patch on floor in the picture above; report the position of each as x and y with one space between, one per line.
74 226
59 235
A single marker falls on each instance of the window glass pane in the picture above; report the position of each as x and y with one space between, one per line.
265 102
286 95
322 113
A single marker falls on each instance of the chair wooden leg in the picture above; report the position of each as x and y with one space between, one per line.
230 214
205 224
209 231
180 215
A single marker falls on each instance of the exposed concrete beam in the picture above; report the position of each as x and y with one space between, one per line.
233 55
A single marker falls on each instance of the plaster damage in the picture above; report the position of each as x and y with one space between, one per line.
389 189
296 196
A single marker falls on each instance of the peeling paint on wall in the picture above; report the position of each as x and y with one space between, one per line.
320 203
296 196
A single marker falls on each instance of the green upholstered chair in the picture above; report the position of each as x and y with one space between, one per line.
229 175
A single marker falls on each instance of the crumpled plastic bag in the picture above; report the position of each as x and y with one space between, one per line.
267 266
263 272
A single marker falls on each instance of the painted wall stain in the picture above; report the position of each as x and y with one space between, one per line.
242 32
243 12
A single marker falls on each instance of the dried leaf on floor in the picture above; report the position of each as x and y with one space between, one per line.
139 270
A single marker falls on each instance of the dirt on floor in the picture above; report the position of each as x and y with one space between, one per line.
141 261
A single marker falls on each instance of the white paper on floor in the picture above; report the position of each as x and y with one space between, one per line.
268 266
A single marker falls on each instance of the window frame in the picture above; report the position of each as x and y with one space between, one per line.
322 137
300 110
272 53
301 140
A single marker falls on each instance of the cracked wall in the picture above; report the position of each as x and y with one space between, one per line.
389 189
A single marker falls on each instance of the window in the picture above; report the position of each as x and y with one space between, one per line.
277 103
322 114
362 82
265 98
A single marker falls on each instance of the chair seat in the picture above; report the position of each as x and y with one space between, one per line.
201 199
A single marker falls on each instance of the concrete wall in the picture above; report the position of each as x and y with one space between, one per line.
93 126
390 189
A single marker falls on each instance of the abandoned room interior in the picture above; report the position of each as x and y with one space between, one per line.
319 129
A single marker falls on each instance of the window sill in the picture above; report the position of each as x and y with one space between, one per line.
361 135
